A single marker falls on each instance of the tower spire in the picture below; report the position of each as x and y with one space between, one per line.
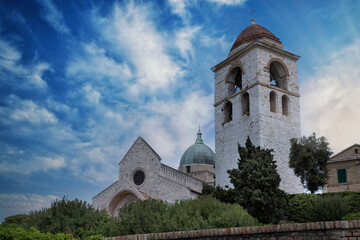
252 16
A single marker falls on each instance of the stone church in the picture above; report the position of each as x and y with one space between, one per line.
256 95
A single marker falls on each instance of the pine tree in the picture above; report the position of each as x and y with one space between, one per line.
256 182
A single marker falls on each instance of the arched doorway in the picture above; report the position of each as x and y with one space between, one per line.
120 200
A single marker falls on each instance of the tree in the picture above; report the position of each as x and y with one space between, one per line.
308 158
256 183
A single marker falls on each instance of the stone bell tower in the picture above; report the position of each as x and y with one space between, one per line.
256 95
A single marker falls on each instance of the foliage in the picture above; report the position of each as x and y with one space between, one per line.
308 158
158 216
13 231
351 199
300 207
224 195
329 208
256 183
70 217
352 216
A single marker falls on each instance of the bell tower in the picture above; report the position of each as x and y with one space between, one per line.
256 95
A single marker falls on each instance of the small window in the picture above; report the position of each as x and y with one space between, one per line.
285 105
273 102
341 175
227 112
356 151
245 104
187 169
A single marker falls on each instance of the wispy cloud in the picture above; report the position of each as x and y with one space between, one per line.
53 16
16 203
330 99
131 32
19 75
183 40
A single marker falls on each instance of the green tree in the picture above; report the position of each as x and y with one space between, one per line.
308 158
256 183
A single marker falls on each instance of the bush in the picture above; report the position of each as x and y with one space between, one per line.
301 207
329 208
158 216
224 195
12 231
74 217
351 199
352 216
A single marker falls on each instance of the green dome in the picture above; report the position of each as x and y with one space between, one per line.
198 153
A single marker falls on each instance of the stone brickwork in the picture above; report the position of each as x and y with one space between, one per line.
160 181
267 129
338 230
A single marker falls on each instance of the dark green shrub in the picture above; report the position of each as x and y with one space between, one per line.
352 199
352 216
75 217
329 208
224 195
158 216
301 207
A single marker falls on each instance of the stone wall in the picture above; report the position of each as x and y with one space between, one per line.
337 230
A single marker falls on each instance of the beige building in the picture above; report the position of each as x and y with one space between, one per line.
344 170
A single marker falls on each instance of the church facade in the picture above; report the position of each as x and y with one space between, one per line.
256 96
143 176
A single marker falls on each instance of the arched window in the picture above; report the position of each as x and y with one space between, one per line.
245 104
235 80
227 112
285 105
278 75
273 101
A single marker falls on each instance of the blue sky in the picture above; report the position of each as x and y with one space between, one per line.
81 80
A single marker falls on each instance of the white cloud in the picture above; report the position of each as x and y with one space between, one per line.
183 40
131 31
53 16
27 111
330 99
229 2
173 128
94 63
27 76
179 7
26 167
16 203
91 95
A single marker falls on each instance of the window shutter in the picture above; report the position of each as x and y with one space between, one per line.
341 175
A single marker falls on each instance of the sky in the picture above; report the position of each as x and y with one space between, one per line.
81 80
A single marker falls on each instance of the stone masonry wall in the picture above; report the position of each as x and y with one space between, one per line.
265 128
337 230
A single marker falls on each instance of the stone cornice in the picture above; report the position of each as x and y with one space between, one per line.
251 46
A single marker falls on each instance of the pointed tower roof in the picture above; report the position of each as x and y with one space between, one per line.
253 32
198 153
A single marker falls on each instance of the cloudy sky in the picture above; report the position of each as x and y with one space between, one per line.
81 80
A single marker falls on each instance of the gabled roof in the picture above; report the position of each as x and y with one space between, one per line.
333 158
140 139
